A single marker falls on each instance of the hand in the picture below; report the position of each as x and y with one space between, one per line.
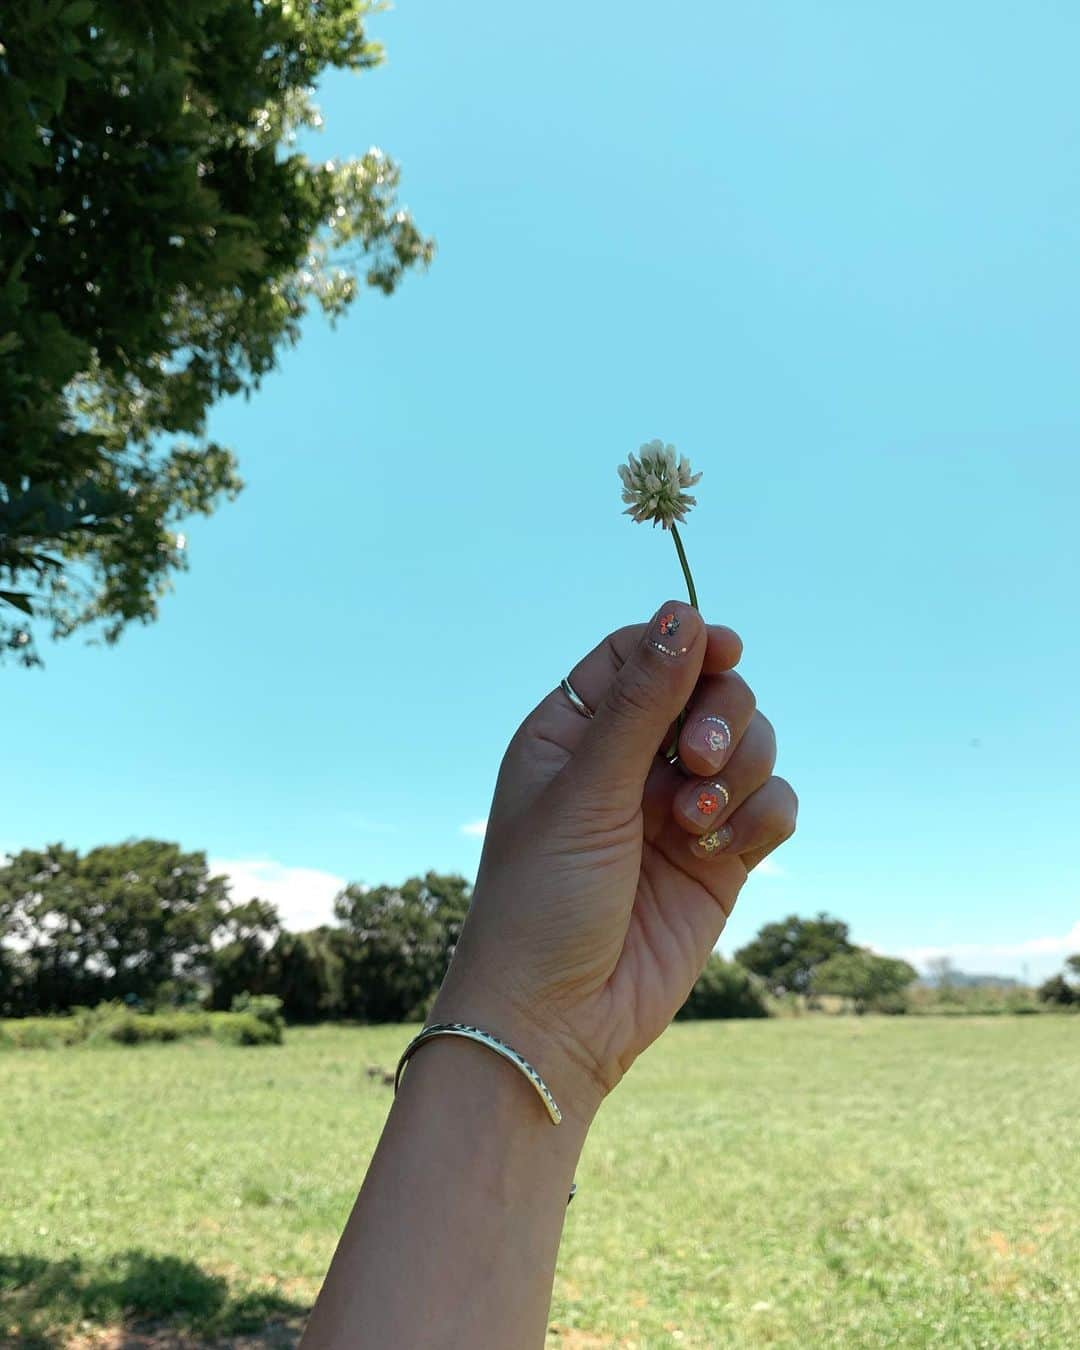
598 899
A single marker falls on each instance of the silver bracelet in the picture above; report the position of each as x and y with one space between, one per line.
501 1048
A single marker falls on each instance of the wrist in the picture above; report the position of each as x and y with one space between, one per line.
571 1082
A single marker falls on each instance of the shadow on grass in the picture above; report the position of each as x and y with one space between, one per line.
141 1300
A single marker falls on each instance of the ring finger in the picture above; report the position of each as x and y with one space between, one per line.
763 822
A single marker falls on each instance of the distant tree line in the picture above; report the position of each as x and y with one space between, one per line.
146 923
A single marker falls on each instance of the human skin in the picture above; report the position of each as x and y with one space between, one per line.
595 908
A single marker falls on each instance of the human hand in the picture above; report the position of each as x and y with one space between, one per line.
597 902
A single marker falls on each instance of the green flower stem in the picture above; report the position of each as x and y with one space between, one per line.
685 566
673 747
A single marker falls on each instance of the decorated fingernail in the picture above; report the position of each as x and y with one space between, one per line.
665 634
712 797
711 738
713 842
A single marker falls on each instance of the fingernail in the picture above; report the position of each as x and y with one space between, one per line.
664 632
711 738
713 842
711 798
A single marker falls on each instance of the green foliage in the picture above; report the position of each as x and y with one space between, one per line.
397 943
114 1023
724 989
306 972
1058 991
384 963
265 1008
868 980
161 238
979 1000
784 954
241 965
145 923
244 1028
121 921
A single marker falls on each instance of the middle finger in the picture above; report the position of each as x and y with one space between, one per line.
718 715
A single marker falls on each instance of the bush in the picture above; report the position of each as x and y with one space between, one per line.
114 1024
265 1007
724 989
983 1000
34 1033
1058 991
894 1005
124 1027
242 1028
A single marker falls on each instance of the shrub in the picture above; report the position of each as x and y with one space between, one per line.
242 1028
894 1004
33 1033
724 989
266 1007
1058 991
114 1024
40 1033
123 1028
981 1000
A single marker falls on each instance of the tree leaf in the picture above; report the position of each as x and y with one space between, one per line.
19 600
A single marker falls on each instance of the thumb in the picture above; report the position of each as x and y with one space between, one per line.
631 723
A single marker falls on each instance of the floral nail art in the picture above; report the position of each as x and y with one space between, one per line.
667 625
717 734
716 840
711 799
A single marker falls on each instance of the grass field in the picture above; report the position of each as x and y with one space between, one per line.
808 1182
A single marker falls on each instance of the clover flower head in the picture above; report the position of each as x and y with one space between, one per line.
653 485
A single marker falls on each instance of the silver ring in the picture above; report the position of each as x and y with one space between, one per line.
576 699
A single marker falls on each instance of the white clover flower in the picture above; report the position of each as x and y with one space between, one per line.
653 485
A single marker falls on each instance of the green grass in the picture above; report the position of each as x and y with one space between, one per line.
802 1183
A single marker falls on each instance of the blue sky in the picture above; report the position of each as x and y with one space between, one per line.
832 252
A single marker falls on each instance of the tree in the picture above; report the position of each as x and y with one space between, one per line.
1057 990
1060 989
867 979
397 944
161 238
784 954
121 921
242 964
307 973
723 989
943 974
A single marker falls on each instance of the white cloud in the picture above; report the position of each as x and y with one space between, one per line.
1041 946
767 868
477 828
304 896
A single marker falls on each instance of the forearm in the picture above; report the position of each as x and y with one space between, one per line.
453 1239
